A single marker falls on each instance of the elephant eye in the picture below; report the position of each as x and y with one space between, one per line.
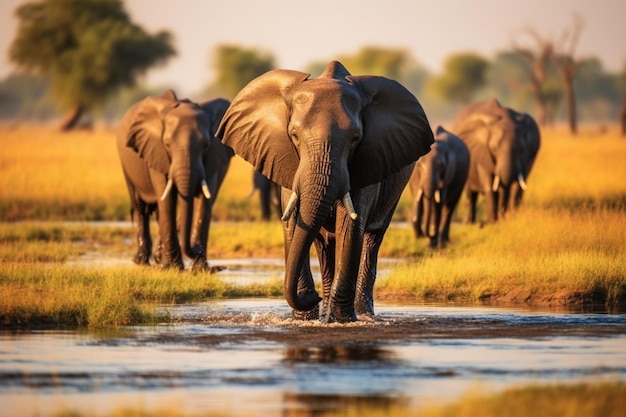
294 137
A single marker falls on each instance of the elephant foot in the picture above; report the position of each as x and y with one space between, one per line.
366 317
307 315
202 265
339 315
141 258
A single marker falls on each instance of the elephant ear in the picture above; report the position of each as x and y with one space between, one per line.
255 125
396 131
215 110
146 130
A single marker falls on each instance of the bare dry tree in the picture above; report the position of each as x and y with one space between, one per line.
568 66
537 58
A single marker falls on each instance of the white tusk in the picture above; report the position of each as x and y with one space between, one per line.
205 190
291 206
168 188
420 193
347 202
437 196
522 182
496 183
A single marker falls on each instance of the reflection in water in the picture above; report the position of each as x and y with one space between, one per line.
337 354
251 358
313 405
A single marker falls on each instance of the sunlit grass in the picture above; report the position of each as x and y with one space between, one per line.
49 175
604 399
536 256
36 294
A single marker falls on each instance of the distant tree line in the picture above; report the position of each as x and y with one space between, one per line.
97 55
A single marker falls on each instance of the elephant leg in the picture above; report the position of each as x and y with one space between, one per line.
169 246
416 220
325 246
141 214
364 300
200 233
348 256
472 198
444 229
491 206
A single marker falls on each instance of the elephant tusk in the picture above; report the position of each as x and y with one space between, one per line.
522 182
496 184
205 190
420 193
347 202
437 196
168 188
291 206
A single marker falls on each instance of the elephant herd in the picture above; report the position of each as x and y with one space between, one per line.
342 148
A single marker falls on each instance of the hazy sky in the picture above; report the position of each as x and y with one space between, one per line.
298 32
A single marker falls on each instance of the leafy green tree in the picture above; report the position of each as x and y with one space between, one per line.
237 66
88 49
463 74
397 64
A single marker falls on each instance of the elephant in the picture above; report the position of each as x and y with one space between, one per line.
342 148
172 161
436 185
503 145
269 195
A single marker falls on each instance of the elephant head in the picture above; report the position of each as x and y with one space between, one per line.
322 138
172 138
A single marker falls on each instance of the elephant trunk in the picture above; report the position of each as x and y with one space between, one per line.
315 195
186 184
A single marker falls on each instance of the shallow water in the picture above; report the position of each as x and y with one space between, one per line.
248 357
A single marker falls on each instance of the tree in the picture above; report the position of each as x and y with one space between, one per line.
88 49
393 63
537 59
568 66
463 75
237 66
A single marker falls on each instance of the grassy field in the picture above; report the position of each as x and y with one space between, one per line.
564 247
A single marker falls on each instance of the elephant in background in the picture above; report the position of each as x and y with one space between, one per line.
269 195
173 163
342 148
436 185
503 145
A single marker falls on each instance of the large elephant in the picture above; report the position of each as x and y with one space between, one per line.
172 162
436 185
342 147
503 145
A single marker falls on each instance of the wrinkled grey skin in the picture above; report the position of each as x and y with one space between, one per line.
321 140
503 145
163 138
269 195
436 185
